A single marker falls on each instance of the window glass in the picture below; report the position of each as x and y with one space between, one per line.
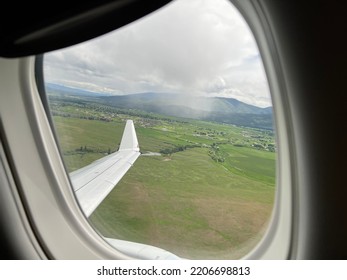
191 79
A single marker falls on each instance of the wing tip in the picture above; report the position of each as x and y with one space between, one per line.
129 139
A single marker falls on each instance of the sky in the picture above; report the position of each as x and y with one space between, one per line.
191 47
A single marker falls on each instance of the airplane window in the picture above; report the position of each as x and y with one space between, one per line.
174 111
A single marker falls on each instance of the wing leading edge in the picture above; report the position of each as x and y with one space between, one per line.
95 181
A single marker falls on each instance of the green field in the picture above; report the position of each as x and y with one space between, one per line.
209 195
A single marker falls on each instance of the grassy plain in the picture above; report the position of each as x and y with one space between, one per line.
212 198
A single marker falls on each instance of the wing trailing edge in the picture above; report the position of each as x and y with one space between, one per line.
95 181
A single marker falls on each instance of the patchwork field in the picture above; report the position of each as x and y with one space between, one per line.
208 195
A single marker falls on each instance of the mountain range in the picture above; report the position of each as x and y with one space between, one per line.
218 109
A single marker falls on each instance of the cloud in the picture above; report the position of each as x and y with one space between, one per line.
200 47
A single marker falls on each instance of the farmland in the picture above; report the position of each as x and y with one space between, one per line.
209 194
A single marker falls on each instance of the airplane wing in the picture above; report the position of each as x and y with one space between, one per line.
95 181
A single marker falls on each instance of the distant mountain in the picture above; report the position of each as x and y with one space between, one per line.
227 110
61 89
218 109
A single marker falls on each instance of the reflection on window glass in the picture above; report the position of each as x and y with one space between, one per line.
191 79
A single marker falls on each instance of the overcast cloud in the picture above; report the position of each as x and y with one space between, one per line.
198 47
